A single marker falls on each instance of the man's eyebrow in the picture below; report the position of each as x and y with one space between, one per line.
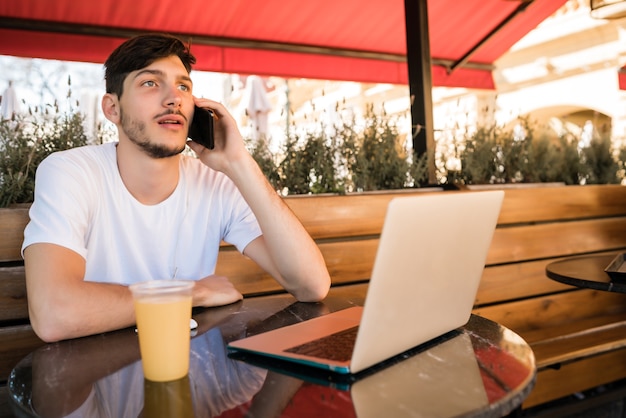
160 73
148 71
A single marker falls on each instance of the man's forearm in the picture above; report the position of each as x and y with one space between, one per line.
85 309
296 256
62 305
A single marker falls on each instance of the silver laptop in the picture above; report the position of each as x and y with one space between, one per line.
428 265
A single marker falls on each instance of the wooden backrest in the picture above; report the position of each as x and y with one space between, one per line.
535 226
537 223
538 226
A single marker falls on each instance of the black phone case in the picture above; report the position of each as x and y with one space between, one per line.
201 128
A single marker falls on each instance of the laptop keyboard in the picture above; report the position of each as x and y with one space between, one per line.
337 346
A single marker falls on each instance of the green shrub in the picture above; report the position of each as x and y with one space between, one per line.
600 165
373 157
25 141
492 155
381 162
349 156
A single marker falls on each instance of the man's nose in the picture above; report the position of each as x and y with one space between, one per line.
174 98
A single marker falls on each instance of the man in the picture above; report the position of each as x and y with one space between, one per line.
109 215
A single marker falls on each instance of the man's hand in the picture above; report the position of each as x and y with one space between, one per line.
215 291
229 144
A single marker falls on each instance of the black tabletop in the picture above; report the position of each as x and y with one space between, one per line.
586 272
480 370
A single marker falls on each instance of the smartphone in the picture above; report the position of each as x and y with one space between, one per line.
201 128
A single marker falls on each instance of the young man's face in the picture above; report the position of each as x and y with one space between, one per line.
156 107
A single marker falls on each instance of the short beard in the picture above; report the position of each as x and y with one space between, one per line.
135 131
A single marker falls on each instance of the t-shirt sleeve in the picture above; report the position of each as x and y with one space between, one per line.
242 226
60 209
239 224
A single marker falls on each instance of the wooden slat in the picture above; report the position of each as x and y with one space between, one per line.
17 343
13 304
559 239
345 216
541 204
246 275
362 214
501 283
576 377
12 224
347 262
550 334
584 343
554 310
507 282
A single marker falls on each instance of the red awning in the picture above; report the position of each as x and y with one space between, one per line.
621 74
359 40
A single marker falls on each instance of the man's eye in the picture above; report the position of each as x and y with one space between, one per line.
185 87
149 83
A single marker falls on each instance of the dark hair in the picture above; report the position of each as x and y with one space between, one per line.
139 52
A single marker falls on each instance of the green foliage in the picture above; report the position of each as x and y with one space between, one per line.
494 156
381 163
348 156
25 142
478 158
311 168
418 170
550 160
370 156
341 158
293 171
262 155
600 165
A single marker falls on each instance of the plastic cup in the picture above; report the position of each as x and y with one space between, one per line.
163 312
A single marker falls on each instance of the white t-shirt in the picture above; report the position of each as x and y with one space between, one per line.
82 204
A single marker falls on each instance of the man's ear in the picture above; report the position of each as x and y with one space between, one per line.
111 107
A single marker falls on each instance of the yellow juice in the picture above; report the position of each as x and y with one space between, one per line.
163 327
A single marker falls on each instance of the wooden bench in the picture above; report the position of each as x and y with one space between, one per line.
578 336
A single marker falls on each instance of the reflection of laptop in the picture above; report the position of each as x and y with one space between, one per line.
429 262
443 381
418 384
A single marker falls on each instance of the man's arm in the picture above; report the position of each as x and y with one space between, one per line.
62 305
285 250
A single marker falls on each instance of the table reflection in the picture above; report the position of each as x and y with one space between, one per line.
482 369
65 386
167 399
416 385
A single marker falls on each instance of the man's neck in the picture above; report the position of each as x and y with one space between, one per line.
150 180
